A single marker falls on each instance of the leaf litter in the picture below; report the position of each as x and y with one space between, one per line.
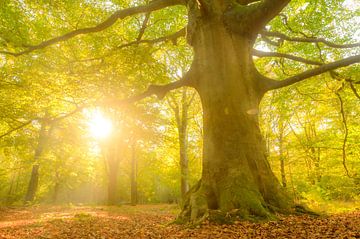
152 221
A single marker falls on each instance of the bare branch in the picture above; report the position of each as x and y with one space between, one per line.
283 55
173 37
191 99
17 128
354 90
159 90
120 14
314 72
346 129
61 117
267 40
143 27
246 2
309 39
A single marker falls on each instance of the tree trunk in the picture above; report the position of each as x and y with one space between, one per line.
183 141
134 196
56 186
315 156
113 163
181 117
281 153
282 169
236 175
113 149
9 197
34 178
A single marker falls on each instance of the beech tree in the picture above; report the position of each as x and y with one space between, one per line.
236 175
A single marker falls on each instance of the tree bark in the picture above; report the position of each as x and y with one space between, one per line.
34 178
281 153
9 197
181 116
134 196
113 169
236 175
183 141
56 186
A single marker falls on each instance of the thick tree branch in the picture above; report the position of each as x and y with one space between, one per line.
265 11
159 90
310 40
250 19
314 72
283 55
173 38
120 14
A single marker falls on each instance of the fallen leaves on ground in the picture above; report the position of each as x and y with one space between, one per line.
152 221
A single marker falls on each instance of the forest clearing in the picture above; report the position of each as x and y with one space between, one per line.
232 118
153 221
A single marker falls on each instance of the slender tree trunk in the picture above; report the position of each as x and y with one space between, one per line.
315 156
34 178
113 163
181 116
282 168
134 196
56 187
236 174
183 143
9 197
281 153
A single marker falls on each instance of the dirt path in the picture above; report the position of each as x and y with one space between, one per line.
151 221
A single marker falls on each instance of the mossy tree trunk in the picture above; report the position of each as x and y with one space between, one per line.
236 174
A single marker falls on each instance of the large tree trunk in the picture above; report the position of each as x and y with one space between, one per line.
236 174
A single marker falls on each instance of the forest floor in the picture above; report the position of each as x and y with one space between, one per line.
152 221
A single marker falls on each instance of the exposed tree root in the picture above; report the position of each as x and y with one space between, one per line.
301 209
249 205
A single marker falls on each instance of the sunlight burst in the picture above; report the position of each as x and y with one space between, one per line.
99 126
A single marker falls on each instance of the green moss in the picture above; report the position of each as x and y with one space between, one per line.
82 216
